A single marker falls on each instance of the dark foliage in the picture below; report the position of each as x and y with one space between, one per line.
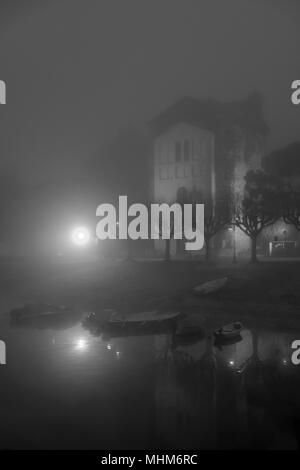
260 206
291 207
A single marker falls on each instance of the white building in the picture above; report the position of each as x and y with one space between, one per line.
206 148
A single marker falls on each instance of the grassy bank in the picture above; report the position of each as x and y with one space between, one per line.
267 292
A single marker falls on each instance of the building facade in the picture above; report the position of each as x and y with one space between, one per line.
283 239
206 148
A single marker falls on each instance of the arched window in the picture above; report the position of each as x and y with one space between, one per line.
182 195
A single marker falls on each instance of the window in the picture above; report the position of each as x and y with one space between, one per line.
186 150
166 172
193 151
163 172
170 172
162 152
182 195
195 170
179 171
204 148
177 152
162 157
170 152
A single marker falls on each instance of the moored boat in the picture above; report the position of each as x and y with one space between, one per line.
37 310
229 332
210 286
143 317
117 324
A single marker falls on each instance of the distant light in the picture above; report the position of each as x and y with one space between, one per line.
118 354
109 346
231 363
81 344
81 236
284 361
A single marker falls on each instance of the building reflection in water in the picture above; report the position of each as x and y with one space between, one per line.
185 394
177 394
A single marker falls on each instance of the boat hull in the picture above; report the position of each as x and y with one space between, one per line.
229 332
147 323
210 287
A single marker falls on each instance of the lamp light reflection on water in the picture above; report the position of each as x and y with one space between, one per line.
81 344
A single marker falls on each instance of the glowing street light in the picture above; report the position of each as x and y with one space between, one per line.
232 229
81 236
81 344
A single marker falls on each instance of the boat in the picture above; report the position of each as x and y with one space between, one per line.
143 323
210 286
230 332
38 310
98 319
142 318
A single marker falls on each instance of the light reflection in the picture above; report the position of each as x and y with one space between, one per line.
81 344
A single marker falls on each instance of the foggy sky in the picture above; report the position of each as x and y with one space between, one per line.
78 70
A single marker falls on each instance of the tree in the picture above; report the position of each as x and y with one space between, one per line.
259 206
216 216
167 249
167 256
291 207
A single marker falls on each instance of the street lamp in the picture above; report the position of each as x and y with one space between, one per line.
233 230
234 259
80 236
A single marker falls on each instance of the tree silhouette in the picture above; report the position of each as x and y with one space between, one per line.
216 217
217 214
291 207
259 207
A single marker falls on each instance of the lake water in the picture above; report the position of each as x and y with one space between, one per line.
65 388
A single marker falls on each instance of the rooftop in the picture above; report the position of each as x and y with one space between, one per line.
213 115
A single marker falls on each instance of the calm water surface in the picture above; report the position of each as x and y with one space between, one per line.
65 388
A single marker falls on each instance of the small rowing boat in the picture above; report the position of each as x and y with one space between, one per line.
210 286
116 324
229 332
38 310
142 318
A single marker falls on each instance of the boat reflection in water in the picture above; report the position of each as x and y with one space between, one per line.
74 388
229 396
